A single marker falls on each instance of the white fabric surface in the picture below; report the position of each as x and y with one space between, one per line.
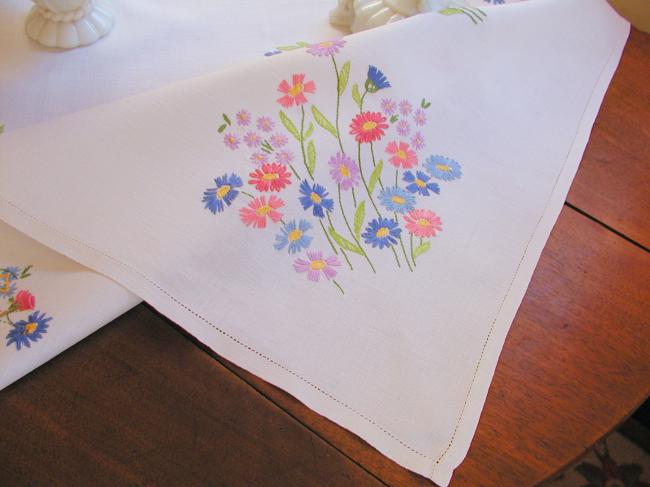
402 359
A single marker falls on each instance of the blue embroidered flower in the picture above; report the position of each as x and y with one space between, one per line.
397 199
272 53
376 80
441 167
382 232
315 196
13 271
495 2
29 330
7 288
225 192
420 183
293 236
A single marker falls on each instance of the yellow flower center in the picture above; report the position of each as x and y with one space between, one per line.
318 265
382 232
270 176
5 285
420 183
296 89
223 191
326 44
30 328
368 126
263 210
315 198
401 154
423 222
294 235
345 172
443 167
398 199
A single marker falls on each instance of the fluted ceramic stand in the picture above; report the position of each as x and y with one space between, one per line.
69 23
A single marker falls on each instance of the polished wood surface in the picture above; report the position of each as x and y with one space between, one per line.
140 403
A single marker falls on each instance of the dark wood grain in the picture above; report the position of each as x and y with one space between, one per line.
138 404
613 182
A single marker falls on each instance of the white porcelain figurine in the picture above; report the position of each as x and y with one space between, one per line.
358 15
69 23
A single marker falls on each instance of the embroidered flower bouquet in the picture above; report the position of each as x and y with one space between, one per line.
366 205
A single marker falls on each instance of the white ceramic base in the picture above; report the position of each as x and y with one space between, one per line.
79 27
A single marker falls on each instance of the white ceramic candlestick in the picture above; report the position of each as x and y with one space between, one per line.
69 23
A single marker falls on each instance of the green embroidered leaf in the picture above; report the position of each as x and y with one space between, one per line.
26 272
374 177
287 48
356 96
421 249
222 128
288 124
226 119
344 75
322 121
2 128
311 157
451 11
310 130
303 44
394 118
359 216
345 244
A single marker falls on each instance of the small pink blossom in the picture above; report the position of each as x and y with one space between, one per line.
419 117
405 107
259 158
388 106
265 124
417 141
401 155
284 157
278 140
243 118
231 141
403 128
252 140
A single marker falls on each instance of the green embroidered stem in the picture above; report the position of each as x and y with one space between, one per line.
338 102
295 173
320 220
403 248
362 98
363 178
329 219
392 247
338 286
412 256
354 197
247 194
356 240
302 140
374 164
396 176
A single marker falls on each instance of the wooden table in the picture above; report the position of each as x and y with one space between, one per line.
139 403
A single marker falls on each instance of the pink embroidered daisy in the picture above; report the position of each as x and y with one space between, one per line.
403 128
284 157
265 124
417 141
388 106
251 139
243 118
231 141
259 158
259 209
278 140
294 93
405 107
401 155
270 177
423 223
368 127
419 117
344 171
317 265
326 48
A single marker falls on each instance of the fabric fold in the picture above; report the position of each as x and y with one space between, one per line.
355 221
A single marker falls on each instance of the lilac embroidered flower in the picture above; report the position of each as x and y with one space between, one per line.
252 140
265 124
388 106
403 128
284 157
417 141
243 118
316 265
326 48
419 117
231 141
278 140
344 171
259 158
405 108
